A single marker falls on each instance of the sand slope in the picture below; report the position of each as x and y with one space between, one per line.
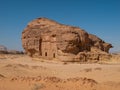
20 72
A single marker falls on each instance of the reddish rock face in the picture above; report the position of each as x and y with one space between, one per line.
45 38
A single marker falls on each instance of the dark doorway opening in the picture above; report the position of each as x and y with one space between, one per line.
53 55
45 53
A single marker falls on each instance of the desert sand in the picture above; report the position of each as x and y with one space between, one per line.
20 72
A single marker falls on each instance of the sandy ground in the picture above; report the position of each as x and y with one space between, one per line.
20 72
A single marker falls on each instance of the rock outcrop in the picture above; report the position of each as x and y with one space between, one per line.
3 49
45 38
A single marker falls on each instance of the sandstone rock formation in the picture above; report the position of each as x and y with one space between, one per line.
45 38
3 49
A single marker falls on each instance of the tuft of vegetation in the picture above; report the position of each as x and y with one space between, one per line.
98 68
38 86
88 70
2 76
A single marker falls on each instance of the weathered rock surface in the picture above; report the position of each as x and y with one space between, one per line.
45 38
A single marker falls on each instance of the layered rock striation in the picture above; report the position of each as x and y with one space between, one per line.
45 38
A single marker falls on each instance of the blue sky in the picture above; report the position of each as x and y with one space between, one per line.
99 17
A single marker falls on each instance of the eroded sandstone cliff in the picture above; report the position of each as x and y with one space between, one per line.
45 38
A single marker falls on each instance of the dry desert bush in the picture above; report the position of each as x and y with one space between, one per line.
38 86
98 68
88 70
2 76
